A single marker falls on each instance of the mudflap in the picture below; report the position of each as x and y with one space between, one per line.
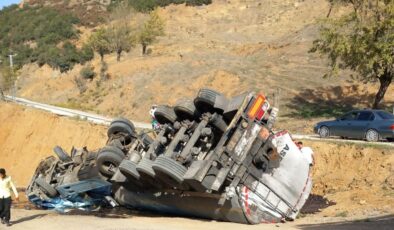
187 204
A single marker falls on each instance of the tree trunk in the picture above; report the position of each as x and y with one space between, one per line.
329 10
2 98
144 46
102 57
385 82
118 54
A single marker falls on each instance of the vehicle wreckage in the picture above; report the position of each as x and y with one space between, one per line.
211 157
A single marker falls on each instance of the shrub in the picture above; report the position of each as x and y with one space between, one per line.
149 5
198 2
34 34
87 72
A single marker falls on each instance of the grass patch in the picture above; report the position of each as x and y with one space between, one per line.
342 214
74 104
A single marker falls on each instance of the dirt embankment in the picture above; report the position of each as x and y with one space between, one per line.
27 136
360 179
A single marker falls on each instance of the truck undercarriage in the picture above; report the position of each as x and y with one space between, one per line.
210 157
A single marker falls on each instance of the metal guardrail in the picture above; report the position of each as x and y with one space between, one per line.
97 119
94 118
333 139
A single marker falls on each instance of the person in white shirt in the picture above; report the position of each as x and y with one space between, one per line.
307 153
6 187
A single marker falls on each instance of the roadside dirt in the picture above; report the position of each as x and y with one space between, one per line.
28 135
39 219
358 178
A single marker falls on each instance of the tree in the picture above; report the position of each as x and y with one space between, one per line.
120 38
99 42
151 29
362 41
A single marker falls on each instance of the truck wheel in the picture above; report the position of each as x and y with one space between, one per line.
169 170
48 189
128 168
121 125
165 115
145 167
147 175
324 132
64 157
372 135
185 109
219 123
146 140
108 160
206 99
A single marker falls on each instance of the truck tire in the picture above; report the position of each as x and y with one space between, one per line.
128 169
146 140
169 170
147 175
121 125
165 115
48 189
206 99
145 167
64 157
219 123
108 160
185 109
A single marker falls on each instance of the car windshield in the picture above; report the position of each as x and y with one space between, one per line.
385 115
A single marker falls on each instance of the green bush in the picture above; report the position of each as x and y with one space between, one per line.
198 2
34 34
149 5
87 72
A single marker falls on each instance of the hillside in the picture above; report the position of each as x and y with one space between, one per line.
230 46
27 136
91 12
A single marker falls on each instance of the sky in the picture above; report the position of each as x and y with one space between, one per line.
7 2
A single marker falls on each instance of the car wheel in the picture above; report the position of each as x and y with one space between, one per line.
108 160
372 135
48 189
324 132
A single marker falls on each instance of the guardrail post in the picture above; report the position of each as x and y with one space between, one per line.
2 98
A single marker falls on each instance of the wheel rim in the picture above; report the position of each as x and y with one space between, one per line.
110 167
323 132
372 135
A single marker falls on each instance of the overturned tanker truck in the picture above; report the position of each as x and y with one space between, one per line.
211 157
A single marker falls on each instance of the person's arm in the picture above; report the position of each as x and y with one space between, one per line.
14 190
